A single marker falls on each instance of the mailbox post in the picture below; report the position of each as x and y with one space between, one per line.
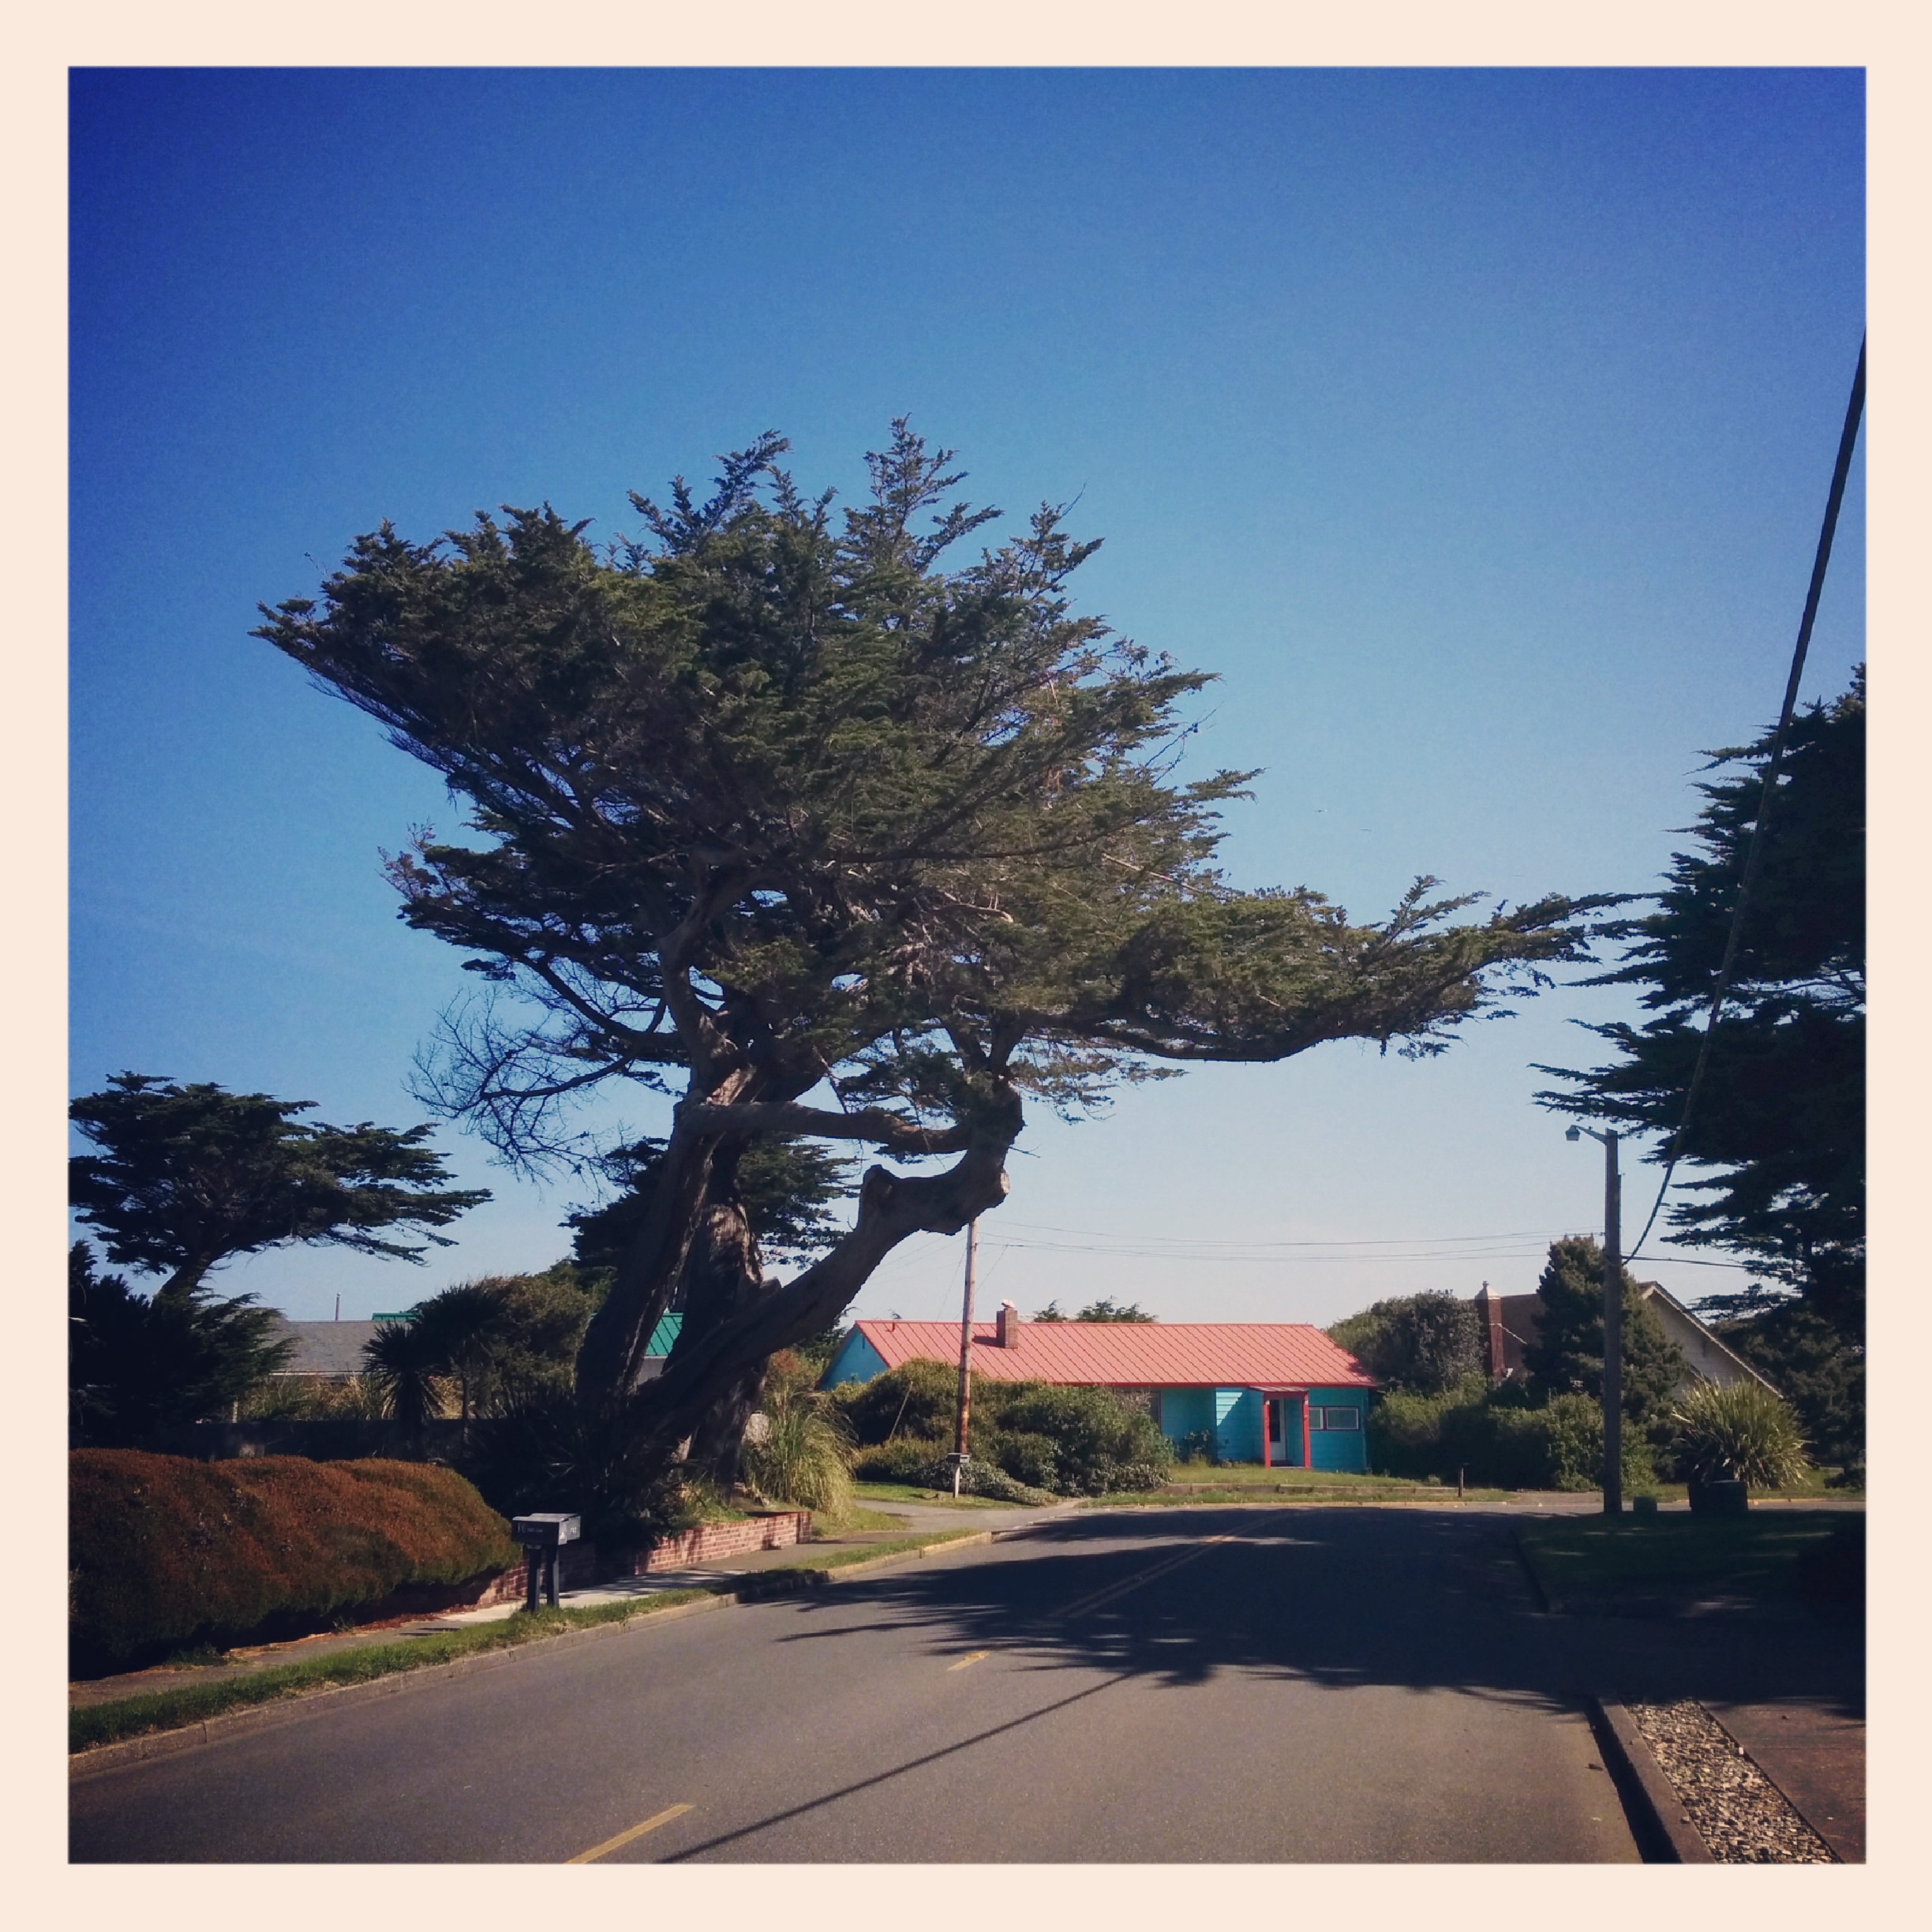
543 1536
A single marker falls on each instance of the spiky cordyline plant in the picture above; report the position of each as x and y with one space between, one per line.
1740 1433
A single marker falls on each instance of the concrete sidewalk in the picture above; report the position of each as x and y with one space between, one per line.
1814 1753
1790 1690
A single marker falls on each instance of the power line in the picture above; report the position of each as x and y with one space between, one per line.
1754 853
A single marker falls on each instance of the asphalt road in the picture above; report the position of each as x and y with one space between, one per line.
1273 1685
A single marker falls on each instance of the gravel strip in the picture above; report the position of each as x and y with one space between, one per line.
1738 1811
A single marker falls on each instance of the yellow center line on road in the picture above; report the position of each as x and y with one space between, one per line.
624 1837
972 1656
1101 1597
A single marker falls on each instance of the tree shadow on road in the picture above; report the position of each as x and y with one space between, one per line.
1414 1599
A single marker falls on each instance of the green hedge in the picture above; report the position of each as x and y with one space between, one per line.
1500 1445
165 1553
1072 1440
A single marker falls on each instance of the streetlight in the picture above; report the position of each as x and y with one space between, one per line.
1613 1319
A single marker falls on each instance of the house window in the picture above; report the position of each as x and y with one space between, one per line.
1341 1418
1314 1418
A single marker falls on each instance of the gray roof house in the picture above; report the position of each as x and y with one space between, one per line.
330 1349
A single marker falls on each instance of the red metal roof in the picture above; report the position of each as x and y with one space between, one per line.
1270 1355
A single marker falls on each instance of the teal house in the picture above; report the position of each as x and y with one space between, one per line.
1277 1392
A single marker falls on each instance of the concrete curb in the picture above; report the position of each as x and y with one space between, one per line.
1663 1829
753 1589
1539 1595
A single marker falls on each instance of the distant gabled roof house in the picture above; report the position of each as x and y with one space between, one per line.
1511 1324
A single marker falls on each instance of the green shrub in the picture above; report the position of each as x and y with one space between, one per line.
165 1551
1742 1433
903 1460
919 1399
980 1478
1497 1443
1033 1459
1099 1442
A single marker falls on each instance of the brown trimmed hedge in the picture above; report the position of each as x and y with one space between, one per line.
165 1553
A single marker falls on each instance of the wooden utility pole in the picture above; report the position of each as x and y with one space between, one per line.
965 1375
1613 1331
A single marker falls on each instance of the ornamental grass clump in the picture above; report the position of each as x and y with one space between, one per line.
803 1456
1740 1433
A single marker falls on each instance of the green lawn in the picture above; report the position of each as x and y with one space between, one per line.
907 1492
1248 1482
193 1703
827 1528
1668 1563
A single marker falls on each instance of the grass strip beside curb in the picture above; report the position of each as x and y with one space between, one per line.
94 1727
159 1710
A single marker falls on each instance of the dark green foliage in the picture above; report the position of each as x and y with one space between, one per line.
918 1399
785 1188
1098 1443
1423 1342
1814 1367
1076 1441
163 1552
137 1366
405 1365
549 1450
1050 1313
188 1176
499 1343
772 799
1499 1442
1106 1309
1566 1357
539 1326
1778 1129
904 1459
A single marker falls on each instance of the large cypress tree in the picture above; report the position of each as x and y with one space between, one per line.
1776 1140
771 812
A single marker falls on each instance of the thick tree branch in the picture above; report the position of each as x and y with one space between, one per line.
882 1128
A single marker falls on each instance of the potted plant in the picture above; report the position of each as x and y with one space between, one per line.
1733 1439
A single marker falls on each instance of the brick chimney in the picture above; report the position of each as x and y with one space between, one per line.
1489 1312
1006 1329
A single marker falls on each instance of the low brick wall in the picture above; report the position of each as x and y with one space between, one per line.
586 1564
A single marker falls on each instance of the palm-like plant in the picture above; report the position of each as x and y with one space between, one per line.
1740 1433
458 1328
405 1364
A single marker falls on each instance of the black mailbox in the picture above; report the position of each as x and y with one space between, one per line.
543 1536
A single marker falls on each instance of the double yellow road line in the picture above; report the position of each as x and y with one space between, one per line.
1100 1598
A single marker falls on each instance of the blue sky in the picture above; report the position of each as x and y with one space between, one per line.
1473 426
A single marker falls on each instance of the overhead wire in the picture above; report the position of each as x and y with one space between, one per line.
1754 854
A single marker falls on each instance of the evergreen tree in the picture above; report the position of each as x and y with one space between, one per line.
1566 1357
1424 1342
187 1177
770 802
1814 1367
1778 1131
